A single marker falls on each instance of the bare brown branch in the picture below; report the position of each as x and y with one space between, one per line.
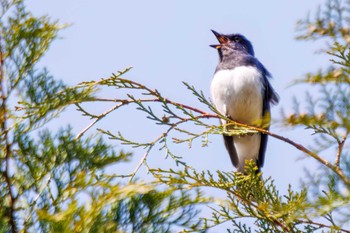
340 148
158 98
124 102
322 225
300 147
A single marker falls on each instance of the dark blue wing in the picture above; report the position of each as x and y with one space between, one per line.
269 96
230 147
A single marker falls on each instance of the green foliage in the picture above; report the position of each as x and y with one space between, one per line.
57 181
158 211
130 208
328 113
248 196
164 112
43 98
331 21
323 203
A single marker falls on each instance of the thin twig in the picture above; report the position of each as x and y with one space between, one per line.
144 157
37 198
159 98
249 202
258 208
322 225
165 134
162 99
340 148
96 120
300 147
124 102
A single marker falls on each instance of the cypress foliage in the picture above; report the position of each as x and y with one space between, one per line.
56 181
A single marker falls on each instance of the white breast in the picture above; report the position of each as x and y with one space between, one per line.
238 93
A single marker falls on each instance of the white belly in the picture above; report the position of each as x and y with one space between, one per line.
238 94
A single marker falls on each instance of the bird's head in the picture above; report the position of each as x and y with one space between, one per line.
231 43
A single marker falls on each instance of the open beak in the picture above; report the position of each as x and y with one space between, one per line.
221 38
215 46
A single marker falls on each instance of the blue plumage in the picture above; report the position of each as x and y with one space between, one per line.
241 90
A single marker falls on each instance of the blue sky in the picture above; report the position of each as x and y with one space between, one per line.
167 42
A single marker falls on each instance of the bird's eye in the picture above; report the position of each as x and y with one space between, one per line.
237 39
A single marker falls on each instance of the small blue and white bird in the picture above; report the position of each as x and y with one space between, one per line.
241 91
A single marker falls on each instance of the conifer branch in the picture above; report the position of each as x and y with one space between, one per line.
321 225
242 187
341 144
118 82
144 158
35 200
75 166
98 118
300 147
7 145
150 145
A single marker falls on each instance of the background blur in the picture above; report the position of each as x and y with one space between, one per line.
167 42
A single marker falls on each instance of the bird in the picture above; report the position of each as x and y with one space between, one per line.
241 91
